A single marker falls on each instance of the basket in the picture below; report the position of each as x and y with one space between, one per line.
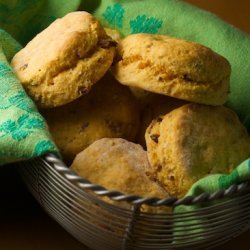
77 205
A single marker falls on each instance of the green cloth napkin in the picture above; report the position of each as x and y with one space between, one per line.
24 18
23 132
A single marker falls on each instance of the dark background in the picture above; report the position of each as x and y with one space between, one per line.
23 224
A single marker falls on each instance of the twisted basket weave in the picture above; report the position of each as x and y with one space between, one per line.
77 205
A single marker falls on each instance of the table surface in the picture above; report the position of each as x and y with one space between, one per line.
25 226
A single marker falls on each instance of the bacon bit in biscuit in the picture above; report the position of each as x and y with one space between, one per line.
115 126
187 78
155 138
171 178
84 126
82 90
159 168
159 119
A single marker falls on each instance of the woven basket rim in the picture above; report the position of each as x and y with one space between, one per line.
114 195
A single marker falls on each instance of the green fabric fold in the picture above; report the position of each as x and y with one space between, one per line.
23 131
23 19
210 184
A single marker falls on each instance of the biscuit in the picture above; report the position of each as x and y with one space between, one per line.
173 67
108 110
117 164
194 141
63 62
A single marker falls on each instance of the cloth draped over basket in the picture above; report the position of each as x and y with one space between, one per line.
23 132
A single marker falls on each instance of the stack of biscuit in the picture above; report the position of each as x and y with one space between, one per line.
64 69
101 95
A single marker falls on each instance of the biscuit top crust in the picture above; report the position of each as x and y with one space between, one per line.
117 164
174 57
194 141
59 47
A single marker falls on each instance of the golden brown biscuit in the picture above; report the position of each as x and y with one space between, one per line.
194 141
117 164
173 67
108 110
63 62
